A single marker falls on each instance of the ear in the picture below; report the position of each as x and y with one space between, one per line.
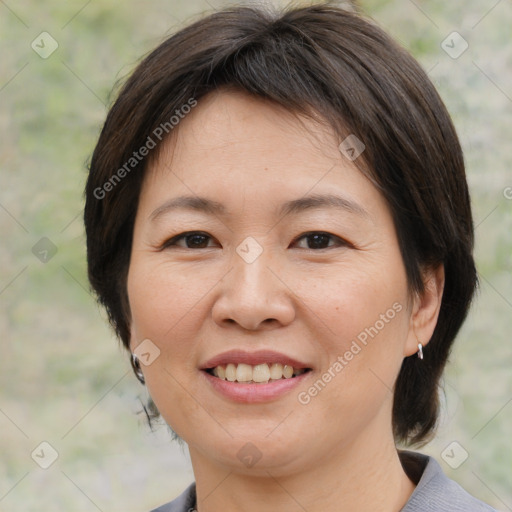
425 311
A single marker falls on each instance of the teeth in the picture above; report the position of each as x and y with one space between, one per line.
231 372
276 371
220 372
260 373
243 373
287 371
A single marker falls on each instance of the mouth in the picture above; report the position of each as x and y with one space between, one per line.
254 376
262 373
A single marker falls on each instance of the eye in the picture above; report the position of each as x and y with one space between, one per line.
320 240
316 240
192 240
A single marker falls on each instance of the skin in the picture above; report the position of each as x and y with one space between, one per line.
336 452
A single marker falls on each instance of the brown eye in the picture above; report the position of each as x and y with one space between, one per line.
320 240
192 240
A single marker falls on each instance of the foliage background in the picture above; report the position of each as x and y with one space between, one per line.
63 377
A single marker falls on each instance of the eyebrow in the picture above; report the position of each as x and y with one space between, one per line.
293 207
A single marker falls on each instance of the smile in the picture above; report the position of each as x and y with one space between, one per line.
252 377
255 374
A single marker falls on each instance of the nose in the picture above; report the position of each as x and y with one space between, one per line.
254 296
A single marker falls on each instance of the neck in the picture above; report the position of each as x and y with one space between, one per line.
363 477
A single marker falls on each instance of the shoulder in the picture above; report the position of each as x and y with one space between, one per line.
435 492
185 502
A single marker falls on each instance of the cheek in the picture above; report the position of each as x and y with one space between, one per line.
364 313
167 303
162 301
359 302
161 297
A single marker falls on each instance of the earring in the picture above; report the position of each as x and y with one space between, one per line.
136 368
420 350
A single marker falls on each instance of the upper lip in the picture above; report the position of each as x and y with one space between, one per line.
253 358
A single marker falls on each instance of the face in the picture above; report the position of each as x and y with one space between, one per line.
274 297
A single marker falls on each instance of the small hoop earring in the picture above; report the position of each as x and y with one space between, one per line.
136 369
420 350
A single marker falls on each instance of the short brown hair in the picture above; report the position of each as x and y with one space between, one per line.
320 61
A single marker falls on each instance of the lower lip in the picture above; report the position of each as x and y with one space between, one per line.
254 393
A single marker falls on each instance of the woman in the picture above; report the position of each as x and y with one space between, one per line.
278 224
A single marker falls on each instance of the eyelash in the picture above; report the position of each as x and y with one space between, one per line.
172 241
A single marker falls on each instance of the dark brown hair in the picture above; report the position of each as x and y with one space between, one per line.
324 62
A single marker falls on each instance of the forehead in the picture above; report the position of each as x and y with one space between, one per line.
234 146
232 120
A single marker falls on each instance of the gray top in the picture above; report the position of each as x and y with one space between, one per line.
434 492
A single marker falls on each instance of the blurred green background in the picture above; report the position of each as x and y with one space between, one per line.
63 377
